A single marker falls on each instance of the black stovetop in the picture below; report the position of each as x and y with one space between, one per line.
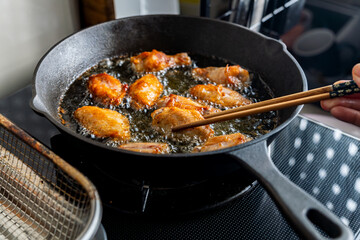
322 161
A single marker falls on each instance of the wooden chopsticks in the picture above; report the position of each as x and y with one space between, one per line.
314 95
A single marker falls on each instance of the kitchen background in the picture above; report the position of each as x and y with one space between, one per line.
28 30
311 156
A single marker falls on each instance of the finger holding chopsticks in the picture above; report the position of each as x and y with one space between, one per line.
346 108
314 95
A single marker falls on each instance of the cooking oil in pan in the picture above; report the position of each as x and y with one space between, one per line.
175 81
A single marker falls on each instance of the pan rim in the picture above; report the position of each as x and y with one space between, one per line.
173 155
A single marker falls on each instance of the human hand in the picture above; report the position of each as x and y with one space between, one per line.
346 108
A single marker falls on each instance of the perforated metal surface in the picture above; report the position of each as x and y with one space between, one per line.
41 196
326 163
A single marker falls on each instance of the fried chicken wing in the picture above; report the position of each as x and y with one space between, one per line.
146 147
145 92
220 142
103 123
106 89
185 103
155 61
164 119
234 76
219 95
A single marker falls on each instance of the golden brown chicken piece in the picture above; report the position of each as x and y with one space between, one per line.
219 95
146 147
107 89
103 123
185 103
233 76
155 61
220 142
164 119
145 92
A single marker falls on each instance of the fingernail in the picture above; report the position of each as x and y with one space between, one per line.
357 70
324 105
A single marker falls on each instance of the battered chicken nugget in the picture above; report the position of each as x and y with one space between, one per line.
219 95
234 76
103 123
155 61
106 89
164 119
145 92
220 142
185 103
146 147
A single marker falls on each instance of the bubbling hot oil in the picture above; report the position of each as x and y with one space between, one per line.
175 81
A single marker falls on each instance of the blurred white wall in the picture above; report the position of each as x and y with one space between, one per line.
126 8
28 28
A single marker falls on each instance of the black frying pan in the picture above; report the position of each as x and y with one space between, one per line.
75 54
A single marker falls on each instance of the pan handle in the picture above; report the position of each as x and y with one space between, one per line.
303 211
